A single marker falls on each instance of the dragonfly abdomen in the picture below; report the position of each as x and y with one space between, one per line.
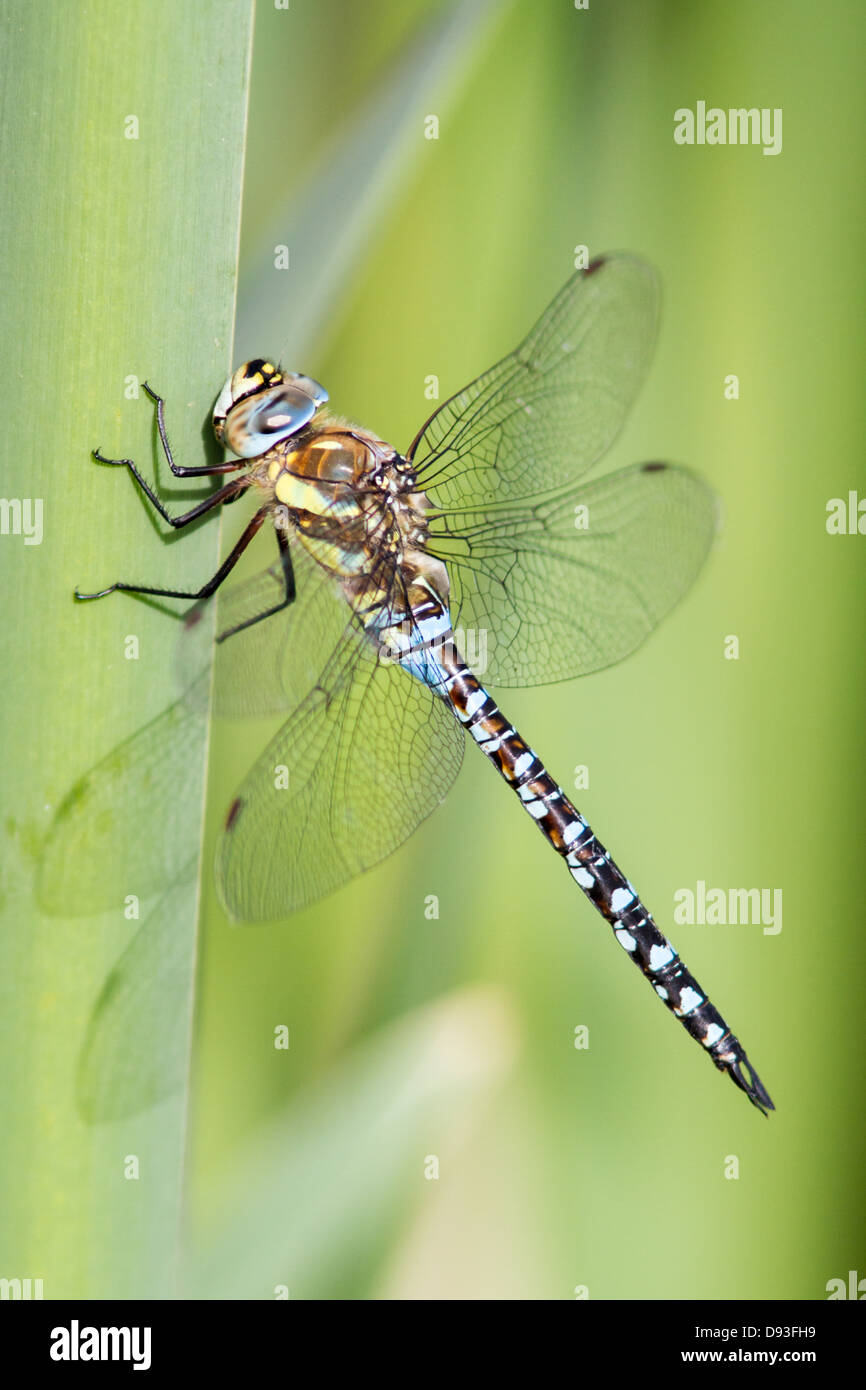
600 878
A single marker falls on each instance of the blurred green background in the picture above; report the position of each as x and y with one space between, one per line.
607 1168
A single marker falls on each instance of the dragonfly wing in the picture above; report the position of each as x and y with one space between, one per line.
268 667
130 824
576 581
135 1050
544 414
364 758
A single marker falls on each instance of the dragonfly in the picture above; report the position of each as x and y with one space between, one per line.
389 565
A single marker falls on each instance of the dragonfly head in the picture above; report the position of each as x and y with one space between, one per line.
260 405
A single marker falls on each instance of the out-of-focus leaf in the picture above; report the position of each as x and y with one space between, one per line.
123 132
328 222
310 1192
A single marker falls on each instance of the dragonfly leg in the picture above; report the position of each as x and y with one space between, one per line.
177 469
227 493
212 584
288 597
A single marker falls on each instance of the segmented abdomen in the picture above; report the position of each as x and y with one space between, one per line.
595 872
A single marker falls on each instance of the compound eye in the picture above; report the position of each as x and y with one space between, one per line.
248 380
254 425
261 405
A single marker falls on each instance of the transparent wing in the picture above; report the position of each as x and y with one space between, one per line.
132 822
365 757
135 1050
545 413
266 668
576 581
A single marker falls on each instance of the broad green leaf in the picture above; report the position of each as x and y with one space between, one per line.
123 134
135 171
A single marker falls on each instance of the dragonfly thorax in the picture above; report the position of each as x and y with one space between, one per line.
354 503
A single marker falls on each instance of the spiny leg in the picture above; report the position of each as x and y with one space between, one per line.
288 597
177 469
224 494
213 583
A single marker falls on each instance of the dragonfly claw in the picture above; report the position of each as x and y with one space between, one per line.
101 594
99 457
